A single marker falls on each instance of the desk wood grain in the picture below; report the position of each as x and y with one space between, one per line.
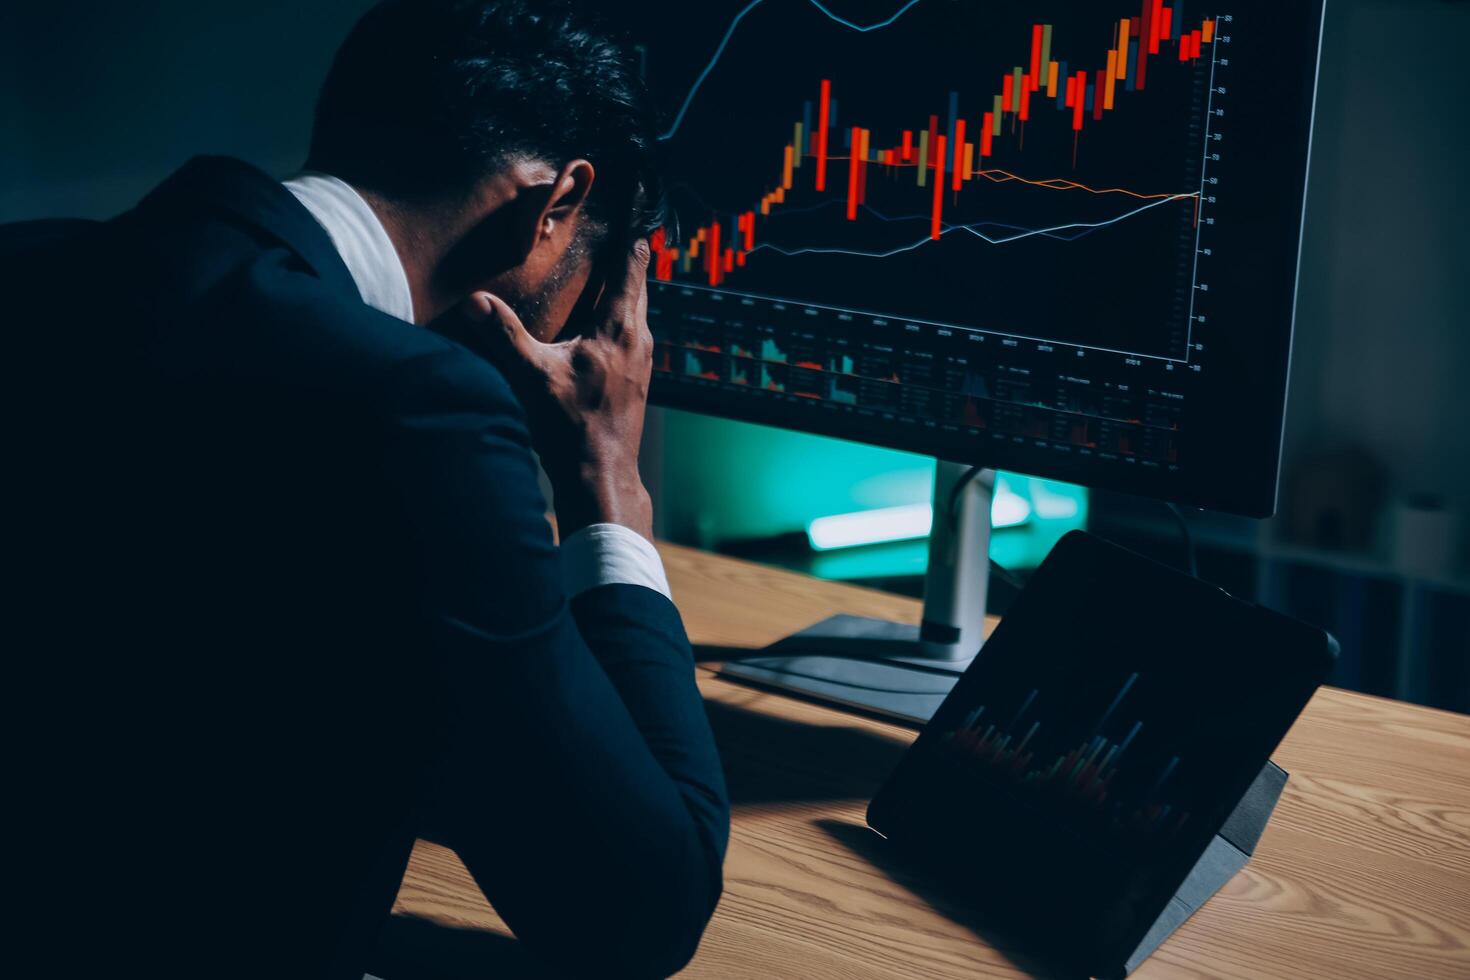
1364 870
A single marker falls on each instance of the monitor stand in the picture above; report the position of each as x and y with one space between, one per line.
891 669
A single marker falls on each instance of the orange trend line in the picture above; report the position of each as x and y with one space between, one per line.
998 176
1062 184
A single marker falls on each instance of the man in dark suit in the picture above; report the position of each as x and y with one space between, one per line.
288 590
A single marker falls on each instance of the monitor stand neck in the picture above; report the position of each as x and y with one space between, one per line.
889 669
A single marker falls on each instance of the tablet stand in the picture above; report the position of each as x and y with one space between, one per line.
1226 854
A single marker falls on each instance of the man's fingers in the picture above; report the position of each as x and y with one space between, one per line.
638 256
498 329
642 335
628 300
636 282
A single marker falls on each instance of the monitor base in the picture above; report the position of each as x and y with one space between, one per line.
888 669
869 664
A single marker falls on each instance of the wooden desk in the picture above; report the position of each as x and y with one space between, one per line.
1364 870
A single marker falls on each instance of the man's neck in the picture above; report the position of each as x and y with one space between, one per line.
418 248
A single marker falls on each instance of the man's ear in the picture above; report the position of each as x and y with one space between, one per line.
509 234
562 203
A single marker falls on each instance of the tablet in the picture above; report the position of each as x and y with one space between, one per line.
1095 747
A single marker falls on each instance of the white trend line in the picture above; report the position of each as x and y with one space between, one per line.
971 230
724 42
1048 231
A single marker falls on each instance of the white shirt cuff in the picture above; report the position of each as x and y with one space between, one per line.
610 554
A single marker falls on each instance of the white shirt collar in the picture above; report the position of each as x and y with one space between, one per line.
361 240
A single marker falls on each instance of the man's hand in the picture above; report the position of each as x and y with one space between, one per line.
585 398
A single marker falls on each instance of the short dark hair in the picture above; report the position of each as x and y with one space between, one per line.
427 97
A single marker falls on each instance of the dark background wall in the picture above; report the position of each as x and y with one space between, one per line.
1382 342
98 102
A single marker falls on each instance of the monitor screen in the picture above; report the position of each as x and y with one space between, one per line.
1058 237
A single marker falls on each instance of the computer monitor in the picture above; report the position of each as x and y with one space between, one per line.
1059 238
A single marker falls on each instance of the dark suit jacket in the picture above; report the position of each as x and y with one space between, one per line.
287 582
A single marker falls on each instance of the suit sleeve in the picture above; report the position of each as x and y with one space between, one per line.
581 785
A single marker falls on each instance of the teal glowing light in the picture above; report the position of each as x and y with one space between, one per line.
870 527
885 524
729 481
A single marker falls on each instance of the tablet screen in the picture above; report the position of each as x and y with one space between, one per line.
1104 733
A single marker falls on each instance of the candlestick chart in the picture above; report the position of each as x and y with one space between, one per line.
891 170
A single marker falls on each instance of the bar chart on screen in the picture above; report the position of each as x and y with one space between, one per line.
1080 777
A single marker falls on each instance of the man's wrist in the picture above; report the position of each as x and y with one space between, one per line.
600 495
